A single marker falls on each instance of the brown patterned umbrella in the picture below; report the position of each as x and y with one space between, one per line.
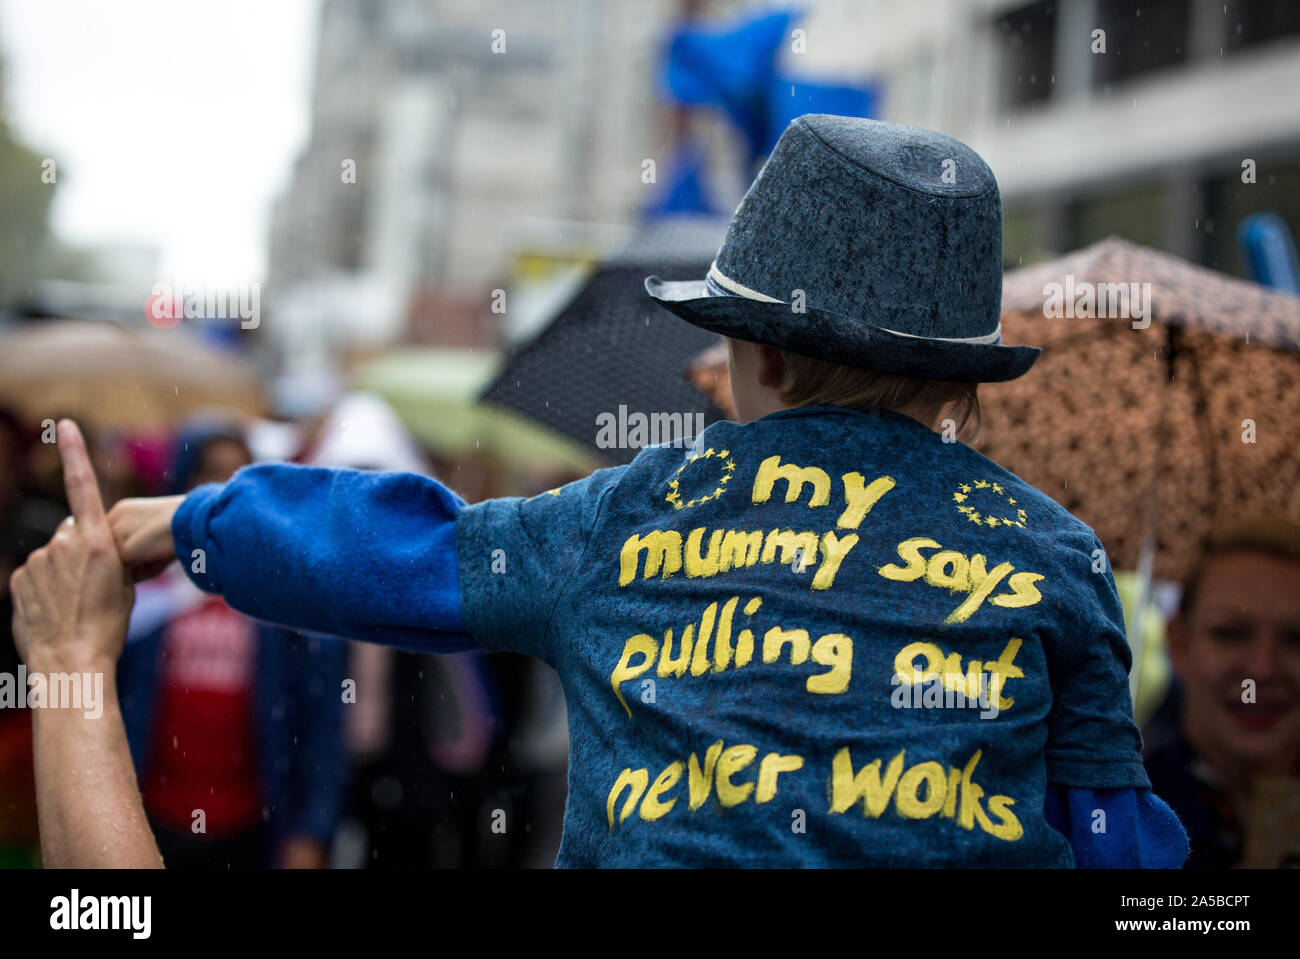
1148 431
1141 431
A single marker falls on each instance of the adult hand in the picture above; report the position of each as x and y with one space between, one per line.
142 529
72 598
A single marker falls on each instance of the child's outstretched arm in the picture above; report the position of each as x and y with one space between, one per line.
367 556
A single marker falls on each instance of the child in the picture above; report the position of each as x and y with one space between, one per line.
824 635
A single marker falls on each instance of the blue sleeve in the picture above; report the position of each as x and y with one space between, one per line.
1117 828
363 555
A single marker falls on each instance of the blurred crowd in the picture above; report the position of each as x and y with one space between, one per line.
258 747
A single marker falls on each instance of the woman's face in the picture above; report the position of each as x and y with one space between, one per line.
1241 642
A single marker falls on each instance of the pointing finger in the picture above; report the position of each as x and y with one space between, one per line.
79 477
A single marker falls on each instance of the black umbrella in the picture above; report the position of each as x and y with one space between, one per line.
609 369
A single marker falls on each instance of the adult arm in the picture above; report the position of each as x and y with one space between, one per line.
72 600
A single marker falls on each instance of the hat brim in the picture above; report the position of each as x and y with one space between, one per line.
840 339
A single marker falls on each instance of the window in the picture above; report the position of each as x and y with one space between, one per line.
1025 39
1141 36
1276 189
1251 22
1136 214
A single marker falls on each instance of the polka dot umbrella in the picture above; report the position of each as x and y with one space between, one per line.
1151 428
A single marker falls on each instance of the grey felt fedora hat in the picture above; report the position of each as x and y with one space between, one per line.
868 243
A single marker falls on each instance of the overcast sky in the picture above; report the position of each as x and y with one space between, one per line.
174 123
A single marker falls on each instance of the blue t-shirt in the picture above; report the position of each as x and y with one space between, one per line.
823 637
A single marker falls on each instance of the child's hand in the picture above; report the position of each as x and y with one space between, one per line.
142 530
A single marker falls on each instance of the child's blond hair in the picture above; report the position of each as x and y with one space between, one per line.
814 382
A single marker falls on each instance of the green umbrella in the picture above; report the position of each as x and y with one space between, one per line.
434 392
